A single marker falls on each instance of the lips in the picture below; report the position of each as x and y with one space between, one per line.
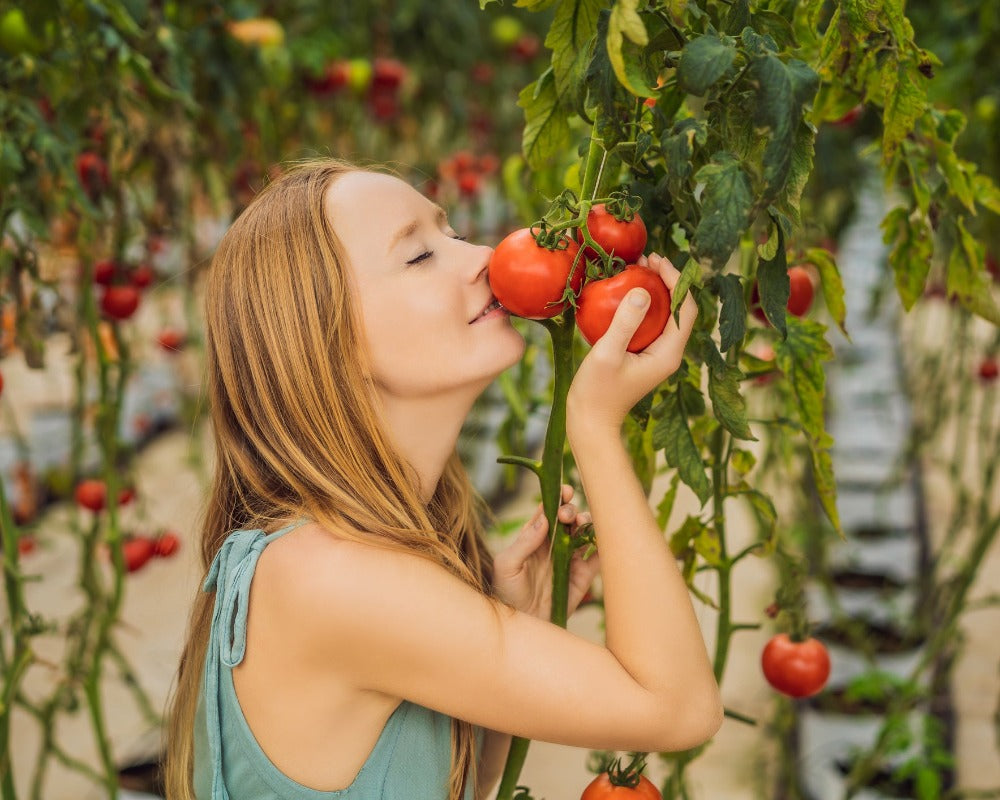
489 306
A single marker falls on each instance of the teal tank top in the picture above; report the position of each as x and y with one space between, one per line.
410 761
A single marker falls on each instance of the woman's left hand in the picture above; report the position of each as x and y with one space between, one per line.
522 572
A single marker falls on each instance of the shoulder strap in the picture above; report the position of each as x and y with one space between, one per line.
230 575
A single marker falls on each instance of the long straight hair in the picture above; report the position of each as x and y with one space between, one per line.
296 428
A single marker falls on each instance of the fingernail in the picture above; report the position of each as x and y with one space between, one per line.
638 297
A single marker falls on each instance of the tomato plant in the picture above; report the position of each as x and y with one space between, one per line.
797 669
600 298
800 294
530 280
625 238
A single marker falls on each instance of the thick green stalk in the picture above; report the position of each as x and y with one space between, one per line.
550 475
550 478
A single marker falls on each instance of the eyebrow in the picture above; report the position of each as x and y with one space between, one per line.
408 230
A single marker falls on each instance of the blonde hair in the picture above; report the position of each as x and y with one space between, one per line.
296 430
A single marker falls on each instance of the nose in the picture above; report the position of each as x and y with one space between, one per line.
481 262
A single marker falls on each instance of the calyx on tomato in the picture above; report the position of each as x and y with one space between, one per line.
622 782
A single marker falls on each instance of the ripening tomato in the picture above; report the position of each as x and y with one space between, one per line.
141 276
137 551
104 271
626 240
599 300
1 383
601 788
850 117
170 339
166 545
26 544
800 294
92 171
120 302
797 669
468 183
530 280
488 163
388 73
526 47
126 495
988 369
92 494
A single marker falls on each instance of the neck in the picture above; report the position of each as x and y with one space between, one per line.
424 431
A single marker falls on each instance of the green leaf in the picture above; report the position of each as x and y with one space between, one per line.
742 460
534 5
625 31
728 404
955 172
910 256
986 192
672 435
546 124
666 504
800 357
967 280
573 28
833 286
782 91
863 16
678 147
774 287
704 61
725 208
905 100
733 317
689 277
799 170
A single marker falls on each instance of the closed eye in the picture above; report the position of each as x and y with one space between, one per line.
428 253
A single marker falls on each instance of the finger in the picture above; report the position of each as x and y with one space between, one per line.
667 271
567 492
627 318
529 539
567 514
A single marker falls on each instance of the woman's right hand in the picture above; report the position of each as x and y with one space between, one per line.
610 380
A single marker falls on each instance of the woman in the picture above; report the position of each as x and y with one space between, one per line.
382 650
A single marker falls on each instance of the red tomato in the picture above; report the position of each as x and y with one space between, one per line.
137 551
1 383
92 494
468 183
92 171
797 669
649 102
120 302
167 544
104 271
463 161
626 239
170 339
766 353
383 104
599 300
142 276
800 294
850 117
388 73
601 788
26 544
489 163
126 495
482 72
989 369
529 280
526 47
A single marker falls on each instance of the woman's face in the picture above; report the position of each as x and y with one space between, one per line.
421 289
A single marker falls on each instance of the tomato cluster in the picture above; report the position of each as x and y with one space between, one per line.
535 282
92 494
466 172
123 285
138 550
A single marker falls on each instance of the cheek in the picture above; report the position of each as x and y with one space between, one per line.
409 328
